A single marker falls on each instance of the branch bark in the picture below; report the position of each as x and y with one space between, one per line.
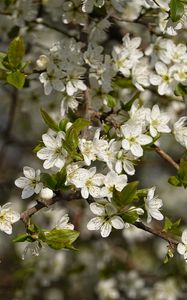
166 157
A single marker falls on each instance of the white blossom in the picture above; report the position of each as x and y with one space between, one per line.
53 153
63 223
158 121
8 217
88 181
30 183
153 205
106 218
180 131
113 180
133 139
182 247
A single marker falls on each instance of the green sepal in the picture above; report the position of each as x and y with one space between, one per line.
20 238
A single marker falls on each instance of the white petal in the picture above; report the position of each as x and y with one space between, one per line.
117 222
184 237
144 139
29 172
22 182
95 223
97 208
106 229
136 150
85 192
49 141
181 249
27 192
6 227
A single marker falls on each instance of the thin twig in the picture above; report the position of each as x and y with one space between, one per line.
166 157
157 233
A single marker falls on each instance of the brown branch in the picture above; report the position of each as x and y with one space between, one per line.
158 233
166 157
25 215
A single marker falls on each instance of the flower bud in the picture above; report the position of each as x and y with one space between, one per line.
42 62
46 194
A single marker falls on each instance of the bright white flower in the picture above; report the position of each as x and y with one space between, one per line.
113 180
88 151
164 79
138 114
106 218
122 61
140 75
63 223
52 79
30 183
175 53
180 73
88 181
108 152
153 205
133 138
73 79
124 161
8 217
158 121
182 247
53 153
180 131
68 102
46 194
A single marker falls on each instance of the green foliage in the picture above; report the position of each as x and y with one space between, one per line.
71 140
172 227
169 255
20 238
49 121
181 178
16 51
111 101
55 181
126 196
17 79
11 63
130 216
181 90
176 10
61 238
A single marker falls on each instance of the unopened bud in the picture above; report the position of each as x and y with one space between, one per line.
42 62
46 194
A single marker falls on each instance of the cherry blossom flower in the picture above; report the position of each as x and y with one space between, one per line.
158 121
53 153
106 218
180 131
8 217
30 183
182 247
133 139
153 205
113 180
63 223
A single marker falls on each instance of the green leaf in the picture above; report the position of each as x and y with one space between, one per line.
173 180
49 121
2 56
72 140
181 90
111 101
49 181
130 216
61 238
16 51
171 227
176 10
126 196
60 178
20 238
38 147
17 79
63 123
123 82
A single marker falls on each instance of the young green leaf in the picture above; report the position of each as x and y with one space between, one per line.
176 10
20 238
16 51
61 238
49 121
17 79
126 196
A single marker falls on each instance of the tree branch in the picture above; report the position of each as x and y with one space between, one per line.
157 233
166 157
